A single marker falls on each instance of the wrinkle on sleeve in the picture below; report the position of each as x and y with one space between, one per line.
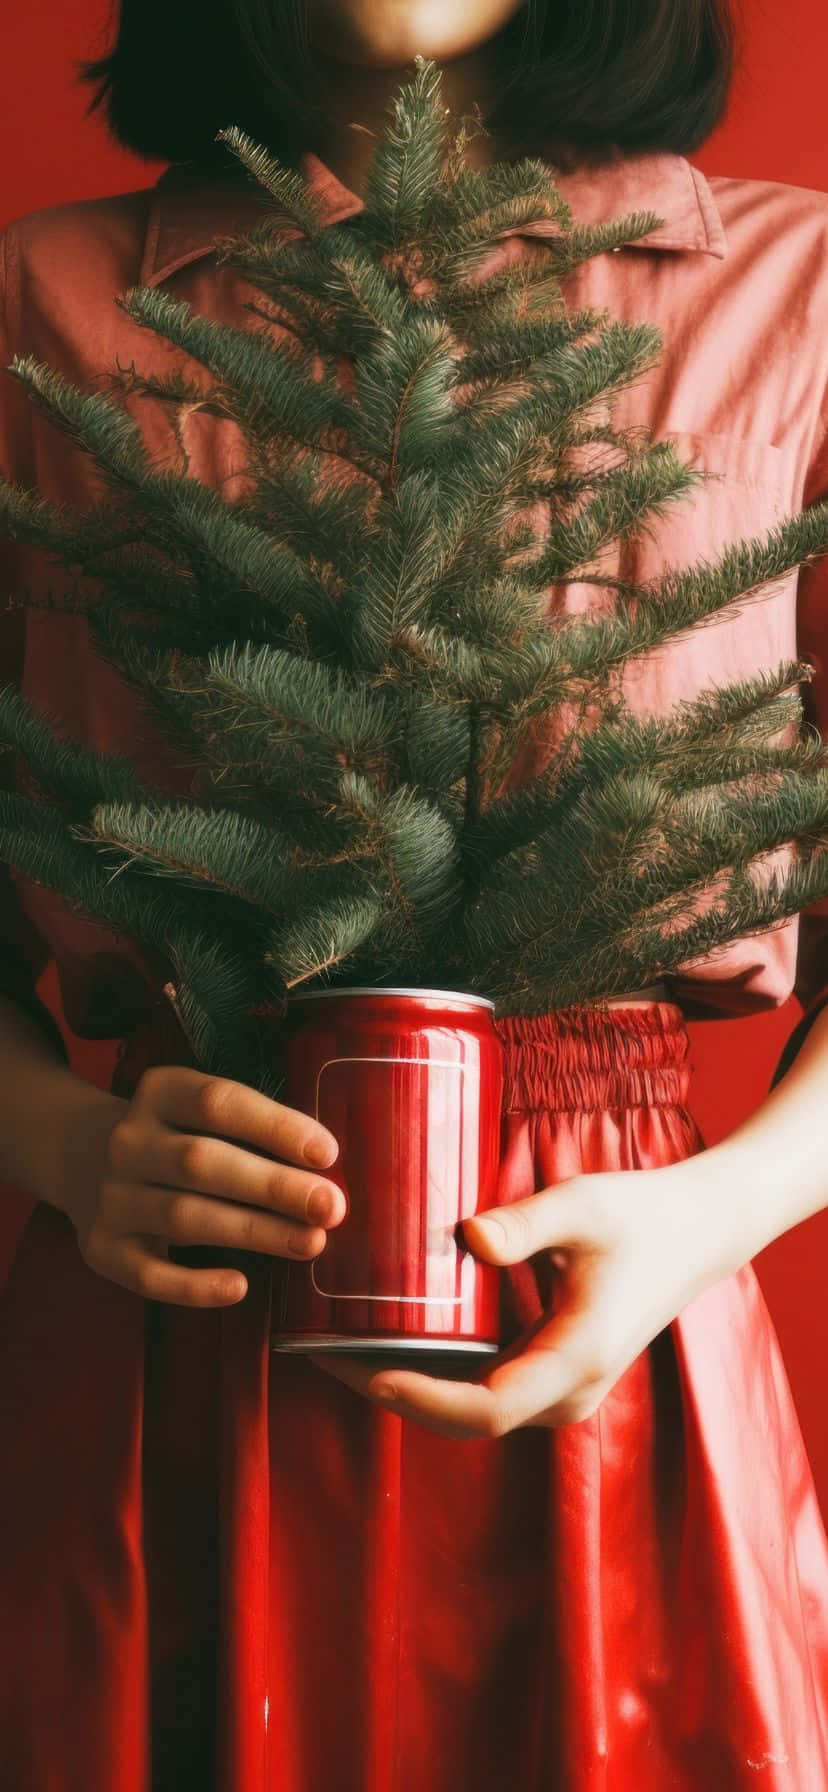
23 953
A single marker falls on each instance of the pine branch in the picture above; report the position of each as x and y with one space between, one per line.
518 346
263 391
625 496
317 943
408 160
416 852
646 855
100 427
66 770
677 601
292 201
336 287
287 708
393 595
75 537
231 854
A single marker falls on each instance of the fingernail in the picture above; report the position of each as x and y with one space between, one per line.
325 1204
320 1152
386 1393
494 1226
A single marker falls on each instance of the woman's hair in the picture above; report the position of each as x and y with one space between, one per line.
587 76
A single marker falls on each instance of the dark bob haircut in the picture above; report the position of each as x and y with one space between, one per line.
586 76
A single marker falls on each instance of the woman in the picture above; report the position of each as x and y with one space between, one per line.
601 1565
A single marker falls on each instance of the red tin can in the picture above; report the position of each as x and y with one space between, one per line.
410 1082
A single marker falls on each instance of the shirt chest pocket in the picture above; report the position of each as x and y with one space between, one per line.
748 491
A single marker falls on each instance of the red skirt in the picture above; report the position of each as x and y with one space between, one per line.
221 1568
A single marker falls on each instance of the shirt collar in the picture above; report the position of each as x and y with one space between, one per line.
187 210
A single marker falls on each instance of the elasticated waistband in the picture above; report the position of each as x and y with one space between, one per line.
582 1059
575 1060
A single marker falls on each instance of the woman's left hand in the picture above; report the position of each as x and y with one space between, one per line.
632 1249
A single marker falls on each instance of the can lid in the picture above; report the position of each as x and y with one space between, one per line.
443 995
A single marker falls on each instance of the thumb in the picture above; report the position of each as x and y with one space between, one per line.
511 1233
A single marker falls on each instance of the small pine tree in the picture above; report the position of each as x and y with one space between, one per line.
352 655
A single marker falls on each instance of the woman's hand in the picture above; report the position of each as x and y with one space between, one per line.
632 1249
197 1160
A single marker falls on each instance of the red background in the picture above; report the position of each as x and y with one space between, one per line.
774 130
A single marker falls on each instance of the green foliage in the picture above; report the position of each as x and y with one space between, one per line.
407 163
353 656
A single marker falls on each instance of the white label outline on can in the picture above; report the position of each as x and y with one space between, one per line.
411 1300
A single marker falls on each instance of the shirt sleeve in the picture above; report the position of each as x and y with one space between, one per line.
23 953
812 639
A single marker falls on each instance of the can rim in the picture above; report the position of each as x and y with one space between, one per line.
355 989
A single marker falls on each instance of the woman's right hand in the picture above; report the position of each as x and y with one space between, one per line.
198 1160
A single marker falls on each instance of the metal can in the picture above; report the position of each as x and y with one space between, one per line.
410 1083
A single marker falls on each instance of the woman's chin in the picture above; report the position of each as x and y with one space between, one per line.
388 34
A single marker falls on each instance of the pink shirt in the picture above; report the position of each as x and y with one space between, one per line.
736 279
